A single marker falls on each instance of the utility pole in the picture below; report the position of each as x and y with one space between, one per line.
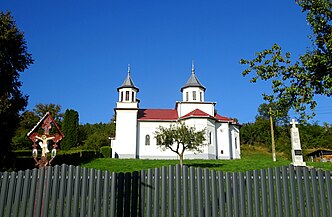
272 137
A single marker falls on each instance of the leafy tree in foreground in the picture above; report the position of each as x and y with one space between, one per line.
14 59
294 84
179 138
70 129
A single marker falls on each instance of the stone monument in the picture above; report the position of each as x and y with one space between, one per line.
297 157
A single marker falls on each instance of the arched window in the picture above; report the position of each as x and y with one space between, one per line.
121 96
127 95
147 139
194 95
132 96
210 138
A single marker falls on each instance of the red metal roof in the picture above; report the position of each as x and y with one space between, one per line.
158 114
172 115
197 113
222 118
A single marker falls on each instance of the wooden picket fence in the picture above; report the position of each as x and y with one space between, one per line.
167 191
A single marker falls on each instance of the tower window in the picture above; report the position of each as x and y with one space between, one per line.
127 95
132 96
187 96
121 100
200 97
147 139
194 95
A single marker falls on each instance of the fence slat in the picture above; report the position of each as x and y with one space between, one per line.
235 194
185 191
322 193
192 192
300 190
98 207
84 191
170 191
293 190
54 191
271 192
329 190
307 192
77 190
229 194
18 195
178 189
135 195
264 193
114 183
91 196
120 194
31 205
163 191
214 192
106 194
314 191
249 193
242 195
10 195
25 192
142 194
257 194
207 192
285 190
3 193
278 191
200 202
62 189
69 192
127 192
221 194
39 192
156 192
149 194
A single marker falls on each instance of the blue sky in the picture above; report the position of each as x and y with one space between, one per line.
82 48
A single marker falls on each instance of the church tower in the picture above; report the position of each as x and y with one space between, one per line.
193 90
193 97
126 119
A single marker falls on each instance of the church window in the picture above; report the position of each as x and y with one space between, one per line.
210 138
200 97
121 100
132 96
235 142
194 95
127 95
147 139
187 96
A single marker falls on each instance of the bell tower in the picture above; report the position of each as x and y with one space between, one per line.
126 111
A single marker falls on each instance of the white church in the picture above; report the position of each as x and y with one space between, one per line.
135 127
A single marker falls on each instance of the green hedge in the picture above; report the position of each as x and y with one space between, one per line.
106 151
25 161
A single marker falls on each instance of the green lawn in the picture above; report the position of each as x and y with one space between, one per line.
251 159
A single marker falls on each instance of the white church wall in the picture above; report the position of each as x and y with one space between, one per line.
152 151
184 108
223 137
236 141
126 129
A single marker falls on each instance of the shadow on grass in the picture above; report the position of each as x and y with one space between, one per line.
204 165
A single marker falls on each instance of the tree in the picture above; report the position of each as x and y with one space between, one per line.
70 129
55 111
294 84
28 120
279 115
179 138
14 59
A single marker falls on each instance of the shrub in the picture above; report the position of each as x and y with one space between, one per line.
106 151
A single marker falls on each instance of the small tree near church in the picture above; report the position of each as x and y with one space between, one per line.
179 138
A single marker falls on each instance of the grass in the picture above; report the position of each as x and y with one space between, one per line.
251 159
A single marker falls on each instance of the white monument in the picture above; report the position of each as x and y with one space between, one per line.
297 158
